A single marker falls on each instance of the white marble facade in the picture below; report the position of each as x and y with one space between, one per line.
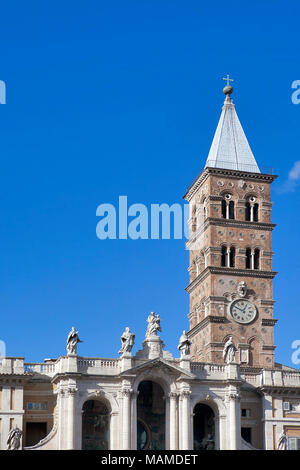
224 388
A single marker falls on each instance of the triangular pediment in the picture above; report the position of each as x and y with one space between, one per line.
160 363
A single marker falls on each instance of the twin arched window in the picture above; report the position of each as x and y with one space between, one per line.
252 258
228 257
251 210
227 207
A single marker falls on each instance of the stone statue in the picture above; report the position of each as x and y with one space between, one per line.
184 344
127 340
72 341
14 439
242 289
229 351
282 442
153 325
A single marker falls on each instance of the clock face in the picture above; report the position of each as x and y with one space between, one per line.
242 311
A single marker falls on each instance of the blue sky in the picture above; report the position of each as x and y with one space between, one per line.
109 98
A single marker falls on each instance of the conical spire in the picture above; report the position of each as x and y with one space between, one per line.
230 149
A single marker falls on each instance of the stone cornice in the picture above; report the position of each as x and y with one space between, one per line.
266 347
225 173
269 321
246 224
235 223
232 271
279 389
267 302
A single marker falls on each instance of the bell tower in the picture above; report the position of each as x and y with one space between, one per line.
230 244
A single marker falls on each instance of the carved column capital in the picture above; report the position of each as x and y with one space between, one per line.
185 393
71 390
234 396
126 392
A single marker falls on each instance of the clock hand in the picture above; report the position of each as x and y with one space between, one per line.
239 309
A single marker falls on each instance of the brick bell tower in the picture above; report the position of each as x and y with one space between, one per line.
231 277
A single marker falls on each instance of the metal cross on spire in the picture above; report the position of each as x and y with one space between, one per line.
228 79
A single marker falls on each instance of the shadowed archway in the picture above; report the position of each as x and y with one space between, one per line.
95 425
204 427
151 416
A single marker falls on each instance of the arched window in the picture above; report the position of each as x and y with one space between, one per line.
224 209
252 258
232 257
247 211
231 210
204 209
255 212
248 258
228 257
224 256
227 207
251 209
256 258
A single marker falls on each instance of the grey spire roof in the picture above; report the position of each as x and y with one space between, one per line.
230 149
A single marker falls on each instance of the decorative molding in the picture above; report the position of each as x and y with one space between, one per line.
206 172
220 222
185 393
269 321
267 302
268 348
233 396
224 172
232 271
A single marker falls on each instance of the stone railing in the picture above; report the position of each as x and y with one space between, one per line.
98 366
209 371
271 377
43 368
254 379
291 379
11 365
85 365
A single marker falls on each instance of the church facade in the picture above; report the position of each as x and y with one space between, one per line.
224 390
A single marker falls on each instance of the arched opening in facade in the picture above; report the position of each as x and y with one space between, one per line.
204 427
151 416
95 425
